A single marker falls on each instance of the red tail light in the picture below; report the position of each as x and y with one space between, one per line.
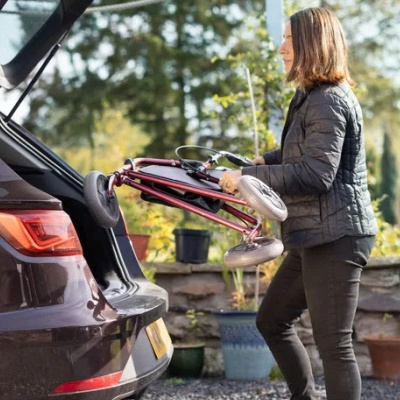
100 382
40 233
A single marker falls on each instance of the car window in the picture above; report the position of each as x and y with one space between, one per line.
20 20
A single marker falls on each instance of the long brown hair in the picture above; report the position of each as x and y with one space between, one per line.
320 49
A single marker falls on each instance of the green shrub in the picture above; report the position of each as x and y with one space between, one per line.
387 241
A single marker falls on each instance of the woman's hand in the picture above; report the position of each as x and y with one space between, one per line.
229 180
259 160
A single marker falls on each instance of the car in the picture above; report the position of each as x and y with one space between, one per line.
78 318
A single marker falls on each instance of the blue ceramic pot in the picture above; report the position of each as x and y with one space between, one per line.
245 353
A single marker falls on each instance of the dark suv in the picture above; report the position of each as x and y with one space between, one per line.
78 319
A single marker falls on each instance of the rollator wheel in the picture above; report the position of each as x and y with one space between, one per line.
102 207
261 250
262 198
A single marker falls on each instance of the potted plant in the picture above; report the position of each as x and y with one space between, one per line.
192 245
140 243
384 345
192 240
188 358
246 355
149 227
384 350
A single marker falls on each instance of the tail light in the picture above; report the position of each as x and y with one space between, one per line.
100 382
40 233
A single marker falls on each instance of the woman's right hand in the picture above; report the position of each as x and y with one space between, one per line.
259 160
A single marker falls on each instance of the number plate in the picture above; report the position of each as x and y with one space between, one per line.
159 337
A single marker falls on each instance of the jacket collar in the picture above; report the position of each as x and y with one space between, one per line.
296 102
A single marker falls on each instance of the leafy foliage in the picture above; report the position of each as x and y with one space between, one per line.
387 242
242 294
116 140
276 374
258 55
153 219
195 327
153 62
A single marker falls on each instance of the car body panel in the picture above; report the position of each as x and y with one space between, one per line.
70 332
17 193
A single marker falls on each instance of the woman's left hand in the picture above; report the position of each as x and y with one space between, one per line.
229 180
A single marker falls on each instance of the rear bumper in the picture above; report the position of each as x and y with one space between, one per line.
37 361
33 372
124 389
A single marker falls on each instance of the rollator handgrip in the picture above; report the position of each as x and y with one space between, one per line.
238 160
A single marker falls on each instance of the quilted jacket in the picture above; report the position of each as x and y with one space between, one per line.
320 169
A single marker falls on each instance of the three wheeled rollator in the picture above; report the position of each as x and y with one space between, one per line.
192 185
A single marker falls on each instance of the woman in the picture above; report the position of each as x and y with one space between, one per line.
320 173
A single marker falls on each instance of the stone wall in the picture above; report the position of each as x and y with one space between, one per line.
201 287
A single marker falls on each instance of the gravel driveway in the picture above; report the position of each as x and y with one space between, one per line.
222 389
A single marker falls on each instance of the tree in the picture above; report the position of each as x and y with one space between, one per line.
373 167
155 64
388 186
259 56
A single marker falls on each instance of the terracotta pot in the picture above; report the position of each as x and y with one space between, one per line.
140 243
385 356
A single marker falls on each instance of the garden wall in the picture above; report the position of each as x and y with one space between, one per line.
201 287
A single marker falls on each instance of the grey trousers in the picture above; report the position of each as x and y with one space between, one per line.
325 279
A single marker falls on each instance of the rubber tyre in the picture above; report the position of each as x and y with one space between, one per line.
251 254
262 198
103 208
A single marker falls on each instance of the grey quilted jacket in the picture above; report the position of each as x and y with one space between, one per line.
320 169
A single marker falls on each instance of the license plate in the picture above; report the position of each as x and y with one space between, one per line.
159 337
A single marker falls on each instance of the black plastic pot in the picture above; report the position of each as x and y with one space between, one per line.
191 245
